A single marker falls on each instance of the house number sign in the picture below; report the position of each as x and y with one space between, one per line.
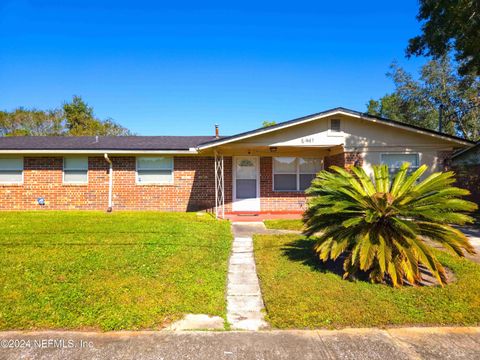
307 140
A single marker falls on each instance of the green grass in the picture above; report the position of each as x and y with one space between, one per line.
300 293
125 270
284 224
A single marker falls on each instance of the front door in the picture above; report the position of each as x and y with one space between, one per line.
246 183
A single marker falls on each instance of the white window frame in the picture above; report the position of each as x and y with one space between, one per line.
171 182
402 153
22 170
74 182
297 172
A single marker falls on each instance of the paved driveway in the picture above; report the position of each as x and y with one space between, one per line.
410 343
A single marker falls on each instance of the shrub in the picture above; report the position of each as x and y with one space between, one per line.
380 224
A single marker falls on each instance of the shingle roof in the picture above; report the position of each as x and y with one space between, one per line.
139 143
103 143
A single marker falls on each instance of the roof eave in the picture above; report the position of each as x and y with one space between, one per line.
335 111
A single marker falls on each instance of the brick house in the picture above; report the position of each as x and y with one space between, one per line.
264 170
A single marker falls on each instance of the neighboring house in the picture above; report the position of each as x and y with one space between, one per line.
466 164
264 170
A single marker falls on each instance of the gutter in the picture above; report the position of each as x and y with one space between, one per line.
110 182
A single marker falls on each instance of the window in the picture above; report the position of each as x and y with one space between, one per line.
11 170
155 170
294 174
335 125
395 161
75 170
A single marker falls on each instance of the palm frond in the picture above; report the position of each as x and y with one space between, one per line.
381 224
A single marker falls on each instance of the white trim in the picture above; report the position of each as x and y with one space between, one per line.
164 183
15 183
73 182
101 152
236 203
317 117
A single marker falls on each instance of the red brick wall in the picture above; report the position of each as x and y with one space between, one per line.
277 200
193 187
43 177
345 159
337 160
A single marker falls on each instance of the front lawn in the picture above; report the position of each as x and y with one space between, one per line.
124 270
284 224
300 293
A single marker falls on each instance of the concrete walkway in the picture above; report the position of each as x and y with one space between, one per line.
400 343
245 309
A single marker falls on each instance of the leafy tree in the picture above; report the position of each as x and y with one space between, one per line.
79 117
379 224
80 121
21 122
418 102
75 118
267 123
449 25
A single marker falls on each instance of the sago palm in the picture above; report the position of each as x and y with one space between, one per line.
380 224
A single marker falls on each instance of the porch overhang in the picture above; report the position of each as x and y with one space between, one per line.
275 150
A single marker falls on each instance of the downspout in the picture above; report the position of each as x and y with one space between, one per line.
110 182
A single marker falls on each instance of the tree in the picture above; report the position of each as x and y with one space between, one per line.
21 122
79 117
75 118
267 123
449 25
418 102
80 121
379 225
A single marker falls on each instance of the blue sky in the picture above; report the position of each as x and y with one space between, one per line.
179 67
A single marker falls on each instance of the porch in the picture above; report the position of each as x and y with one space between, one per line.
255 183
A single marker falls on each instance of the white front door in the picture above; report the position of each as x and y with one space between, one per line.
246 184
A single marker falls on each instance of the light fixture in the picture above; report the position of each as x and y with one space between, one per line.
273 149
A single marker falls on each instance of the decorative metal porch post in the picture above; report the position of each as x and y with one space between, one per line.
219 186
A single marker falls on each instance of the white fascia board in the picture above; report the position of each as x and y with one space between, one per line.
337 112
101 152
